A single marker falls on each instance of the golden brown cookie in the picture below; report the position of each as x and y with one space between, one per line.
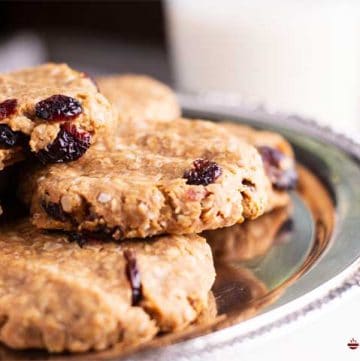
139 99
51 109
189 177
142 103
70 294
276 152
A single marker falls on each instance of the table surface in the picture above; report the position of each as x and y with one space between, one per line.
323 336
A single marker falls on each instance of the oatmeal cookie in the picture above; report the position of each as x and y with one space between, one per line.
139 100
51 109
190 177
74 294
143 103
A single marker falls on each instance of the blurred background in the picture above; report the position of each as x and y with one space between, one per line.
97 37
296 57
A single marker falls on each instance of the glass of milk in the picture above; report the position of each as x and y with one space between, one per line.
292 56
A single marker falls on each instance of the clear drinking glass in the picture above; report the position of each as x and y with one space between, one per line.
292 56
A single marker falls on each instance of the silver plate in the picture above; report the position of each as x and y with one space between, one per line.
302 268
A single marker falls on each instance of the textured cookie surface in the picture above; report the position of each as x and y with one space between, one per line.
58 295
189 177
49 106
143 103
260 137
278 159
139 99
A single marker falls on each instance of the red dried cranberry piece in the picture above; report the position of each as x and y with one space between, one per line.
133 275
279 168
58 107
70 144
7 108
204 172
9 138
54 210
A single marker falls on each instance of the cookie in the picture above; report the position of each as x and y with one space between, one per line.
277 154
52 110
142 103
139 100
70 294
190 177
278 159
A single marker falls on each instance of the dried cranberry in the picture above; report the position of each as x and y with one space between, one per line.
203 173
79 238
54 210
279 168
133 275
70 144
58 107
7 108
9 138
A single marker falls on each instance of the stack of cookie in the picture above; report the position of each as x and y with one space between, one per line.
119 186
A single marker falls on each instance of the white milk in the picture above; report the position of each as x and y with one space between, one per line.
295 56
